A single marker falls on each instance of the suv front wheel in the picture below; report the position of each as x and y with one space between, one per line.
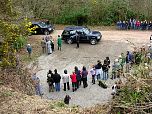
69 41
46 32
93 41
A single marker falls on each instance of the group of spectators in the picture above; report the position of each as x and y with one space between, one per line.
98 72
142 55
76 77
47 44
134 24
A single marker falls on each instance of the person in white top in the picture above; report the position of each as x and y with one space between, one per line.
65 79
93 73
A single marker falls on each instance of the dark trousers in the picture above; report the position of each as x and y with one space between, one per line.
59 48
93 79
77 44
85 82
51 88
52 46
74 86
66 85
78 83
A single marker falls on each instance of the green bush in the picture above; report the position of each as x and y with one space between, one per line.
20 42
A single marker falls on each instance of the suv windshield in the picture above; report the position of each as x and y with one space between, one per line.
42 24
86 30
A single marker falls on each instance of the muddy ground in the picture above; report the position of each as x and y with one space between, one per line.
112 44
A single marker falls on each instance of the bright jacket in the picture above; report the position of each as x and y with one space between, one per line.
73 77
59 42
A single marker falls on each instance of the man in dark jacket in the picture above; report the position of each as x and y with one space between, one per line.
50 81
105 70
78 75
57 79
77 39
98 69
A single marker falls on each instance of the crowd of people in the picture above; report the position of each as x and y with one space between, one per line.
78 76
47 44
98 71
134 24
136 57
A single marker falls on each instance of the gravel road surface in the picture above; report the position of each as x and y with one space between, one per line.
112 44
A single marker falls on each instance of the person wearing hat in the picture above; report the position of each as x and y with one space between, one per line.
29 50
115 68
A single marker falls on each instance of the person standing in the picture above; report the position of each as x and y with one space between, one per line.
74 81
49 49
59 42
128 61
105 70
29 50
98 69
57 79
78 75
43 45
37 85
50 81
52 45
93 73
65 78
77 39
84 76
107 61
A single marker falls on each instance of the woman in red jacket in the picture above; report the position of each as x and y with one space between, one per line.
74 81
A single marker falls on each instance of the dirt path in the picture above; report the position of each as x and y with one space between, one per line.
112 44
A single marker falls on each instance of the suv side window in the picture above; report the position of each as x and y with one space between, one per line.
73 32
65 32
80 31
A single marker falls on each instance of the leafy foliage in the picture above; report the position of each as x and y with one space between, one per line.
93 12
12 29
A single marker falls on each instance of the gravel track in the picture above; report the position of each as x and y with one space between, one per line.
112 44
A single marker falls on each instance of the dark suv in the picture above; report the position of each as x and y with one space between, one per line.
85 34
43 27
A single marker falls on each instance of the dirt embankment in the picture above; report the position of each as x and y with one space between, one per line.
12 102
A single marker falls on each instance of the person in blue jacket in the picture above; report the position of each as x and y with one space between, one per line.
29 50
